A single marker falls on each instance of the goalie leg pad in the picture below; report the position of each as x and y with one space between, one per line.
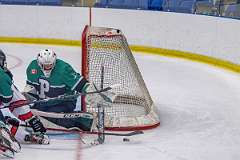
71 121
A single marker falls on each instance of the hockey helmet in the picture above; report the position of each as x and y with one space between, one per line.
46 60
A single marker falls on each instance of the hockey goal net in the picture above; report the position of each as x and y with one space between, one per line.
133 108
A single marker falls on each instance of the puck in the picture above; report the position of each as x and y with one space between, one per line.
126 139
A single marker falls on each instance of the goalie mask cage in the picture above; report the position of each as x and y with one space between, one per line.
133 108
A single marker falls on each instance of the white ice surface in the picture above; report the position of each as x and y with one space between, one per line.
198 107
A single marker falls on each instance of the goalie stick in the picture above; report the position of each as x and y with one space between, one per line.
129 134
101 112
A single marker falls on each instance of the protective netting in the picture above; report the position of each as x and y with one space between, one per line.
108 48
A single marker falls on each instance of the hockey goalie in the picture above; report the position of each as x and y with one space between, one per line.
49 77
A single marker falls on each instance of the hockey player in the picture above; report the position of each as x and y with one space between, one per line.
9 96
48 76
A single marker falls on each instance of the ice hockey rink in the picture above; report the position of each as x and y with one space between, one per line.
198 106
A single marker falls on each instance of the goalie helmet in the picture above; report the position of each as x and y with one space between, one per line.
46 60
3 62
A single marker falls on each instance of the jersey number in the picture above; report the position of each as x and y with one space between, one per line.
44 87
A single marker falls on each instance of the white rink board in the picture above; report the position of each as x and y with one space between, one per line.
211 36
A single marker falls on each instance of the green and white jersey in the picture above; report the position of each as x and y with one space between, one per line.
6 92
63 79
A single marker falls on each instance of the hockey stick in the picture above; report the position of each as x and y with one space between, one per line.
101 112
132 133
63 97
77 131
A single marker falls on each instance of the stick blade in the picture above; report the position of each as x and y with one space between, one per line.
135 133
